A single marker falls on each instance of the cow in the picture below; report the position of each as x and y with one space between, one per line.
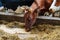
38 6
55 6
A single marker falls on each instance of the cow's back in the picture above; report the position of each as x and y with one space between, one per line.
57 3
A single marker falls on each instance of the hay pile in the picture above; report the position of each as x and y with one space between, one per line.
47 32
39 32
13 24
21 9
7 36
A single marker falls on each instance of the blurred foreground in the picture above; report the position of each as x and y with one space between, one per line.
15 31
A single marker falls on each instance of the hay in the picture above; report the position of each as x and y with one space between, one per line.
7 36
39 32
15 25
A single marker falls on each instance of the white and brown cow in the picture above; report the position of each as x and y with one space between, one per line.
55 6
38 6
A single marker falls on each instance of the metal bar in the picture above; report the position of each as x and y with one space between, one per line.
48 18
40 19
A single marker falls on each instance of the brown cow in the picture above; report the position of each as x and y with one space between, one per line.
38 6
57 3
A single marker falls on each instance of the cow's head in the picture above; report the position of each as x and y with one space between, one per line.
30 18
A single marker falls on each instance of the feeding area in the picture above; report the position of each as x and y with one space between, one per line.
15 31
12 29
38 21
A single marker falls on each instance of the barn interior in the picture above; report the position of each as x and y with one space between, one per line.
12 25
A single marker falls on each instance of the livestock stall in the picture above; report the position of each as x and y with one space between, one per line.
47 27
